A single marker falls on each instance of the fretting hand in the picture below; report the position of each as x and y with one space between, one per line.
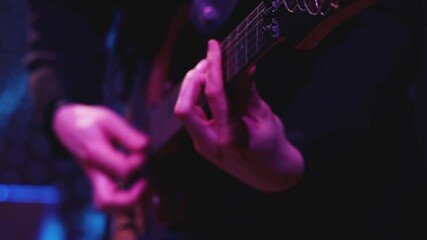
250 142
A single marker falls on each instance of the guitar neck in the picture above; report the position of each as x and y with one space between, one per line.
247 43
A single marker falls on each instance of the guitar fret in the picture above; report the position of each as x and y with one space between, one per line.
232 61
256 30
246 42
252 44
241 48
241 45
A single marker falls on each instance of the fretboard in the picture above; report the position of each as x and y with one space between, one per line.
245 44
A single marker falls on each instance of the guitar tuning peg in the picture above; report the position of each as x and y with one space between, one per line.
290 5
315 7
270 31
302 5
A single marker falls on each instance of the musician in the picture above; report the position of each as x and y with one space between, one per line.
308 142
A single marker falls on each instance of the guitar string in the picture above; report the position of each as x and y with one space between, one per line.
230 45
239 34
235 59
230 40
234 42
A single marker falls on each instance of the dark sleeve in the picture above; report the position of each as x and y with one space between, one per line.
421 90
66 54
345 97
354 70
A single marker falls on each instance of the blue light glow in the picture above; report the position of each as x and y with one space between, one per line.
51 228
11 97
111 38
94 223
29 194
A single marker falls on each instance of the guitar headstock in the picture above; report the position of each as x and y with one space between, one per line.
307 22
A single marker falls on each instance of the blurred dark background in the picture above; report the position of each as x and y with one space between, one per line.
45 193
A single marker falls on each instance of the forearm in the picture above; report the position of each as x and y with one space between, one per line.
282 170
268 162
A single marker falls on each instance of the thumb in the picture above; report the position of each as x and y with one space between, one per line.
246 93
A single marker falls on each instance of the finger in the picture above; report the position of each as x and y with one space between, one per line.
102 155
127 136
246 93
214 90
109 197
187 107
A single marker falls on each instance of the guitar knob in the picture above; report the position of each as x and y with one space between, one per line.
267 14
210 15
269 31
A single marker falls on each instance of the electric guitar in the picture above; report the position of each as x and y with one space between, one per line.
302 22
